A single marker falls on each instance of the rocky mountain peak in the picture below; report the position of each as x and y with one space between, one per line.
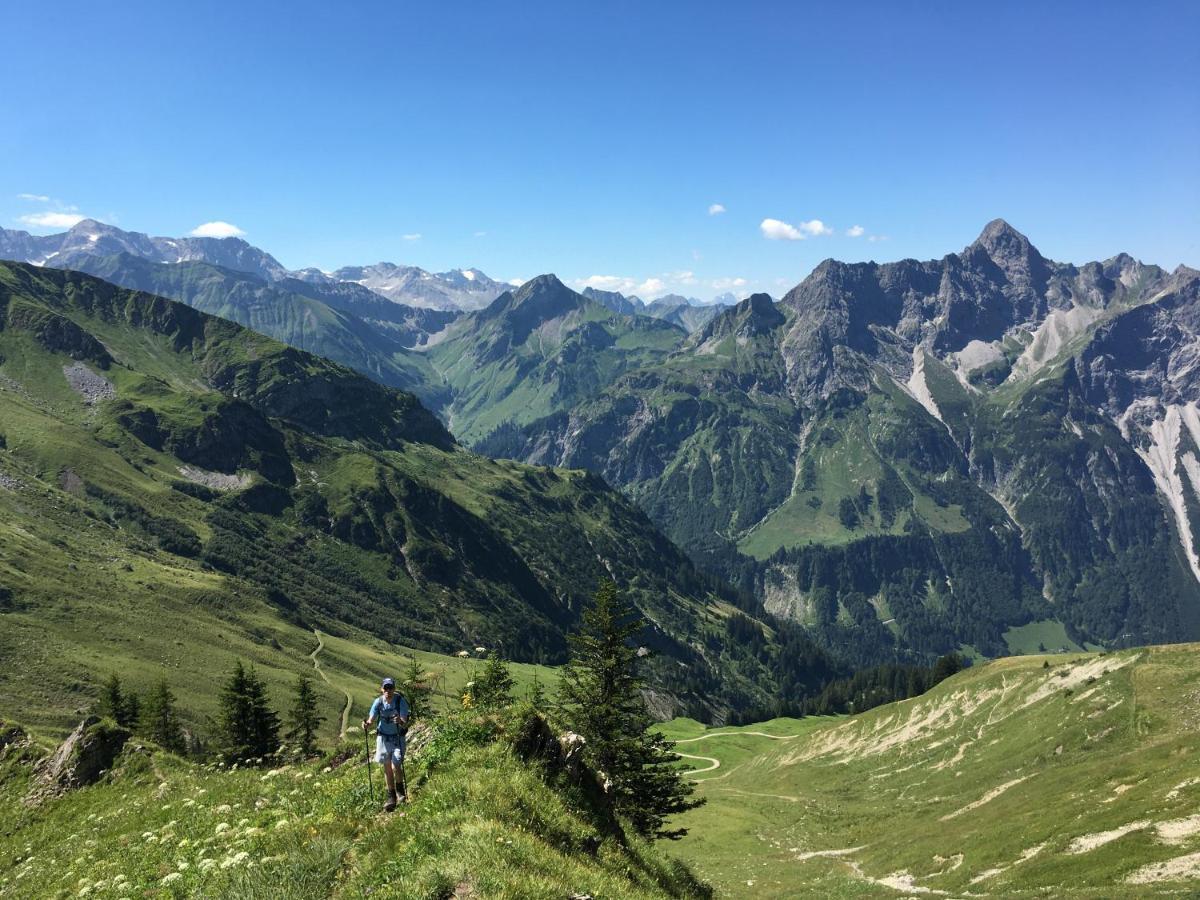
1007 247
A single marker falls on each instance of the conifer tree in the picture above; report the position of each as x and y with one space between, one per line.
601 692
415 687
264 720
133 711
160 721
493 688
305 719
537 693
112 701
249 727
122 708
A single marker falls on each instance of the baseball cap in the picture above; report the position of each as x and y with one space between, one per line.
389 682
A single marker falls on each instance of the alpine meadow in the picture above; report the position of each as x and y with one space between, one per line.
550 452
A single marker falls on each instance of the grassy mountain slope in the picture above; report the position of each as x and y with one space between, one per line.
537 350
178 491
345 323
1070 776
484 822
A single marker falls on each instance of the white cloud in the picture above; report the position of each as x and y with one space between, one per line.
728 284
481 234
716 209
855 231
415 236
877 237
651 288
647 288
776 230
217 230
51 219
607 283
517 282
34 198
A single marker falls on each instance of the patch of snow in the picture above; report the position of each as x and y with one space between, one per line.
468 274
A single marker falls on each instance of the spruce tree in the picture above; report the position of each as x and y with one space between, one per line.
235 724
415 688
264 721
160 721
133 711
493 689
112 701
119 706
601 692
249 728
305 719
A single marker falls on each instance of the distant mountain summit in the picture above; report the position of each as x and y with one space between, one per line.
458 289
686 312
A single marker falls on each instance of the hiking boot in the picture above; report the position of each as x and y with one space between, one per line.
391 802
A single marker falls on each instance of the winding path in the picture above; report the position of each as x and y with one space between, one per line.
325 678
716 763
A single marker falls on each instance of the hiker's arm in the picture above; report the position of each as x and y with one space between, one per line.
370 719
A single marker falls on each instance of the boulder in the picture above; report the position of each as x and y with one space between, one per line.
80 760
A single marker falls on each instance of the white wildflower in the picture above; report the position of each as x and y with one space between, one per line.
172 878
222 827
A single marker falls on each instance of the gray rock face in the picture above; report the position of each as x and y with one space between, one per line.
80 760
1058 406
459 289
89 240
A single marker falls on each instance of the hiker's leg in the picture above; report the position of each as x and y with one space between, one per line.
389 770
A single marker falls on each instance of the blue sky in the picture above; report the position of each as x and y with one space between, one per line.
592 140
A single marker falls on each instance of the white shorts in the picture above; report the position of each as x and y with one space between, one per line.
389 746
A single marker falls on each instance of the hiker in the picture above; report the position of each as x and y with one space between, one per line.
391 710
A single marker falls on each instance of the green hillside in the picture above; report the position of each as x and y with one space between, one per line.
1065 776
177 492
537 350
488 818
353 327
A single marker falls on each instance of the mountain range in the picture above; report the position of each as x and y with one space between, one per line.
922 455
903 458
170 479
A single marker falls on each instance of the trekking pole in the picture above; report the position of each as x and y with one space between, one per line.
367 747
403 781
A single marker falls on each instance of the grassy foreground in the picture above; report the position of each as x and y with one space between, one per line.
483 823
1065 776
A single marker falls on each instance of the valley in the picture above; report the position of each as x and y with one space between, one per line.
1073 775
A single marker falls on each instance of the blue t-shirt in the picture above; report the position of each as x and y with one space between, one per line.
386 713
